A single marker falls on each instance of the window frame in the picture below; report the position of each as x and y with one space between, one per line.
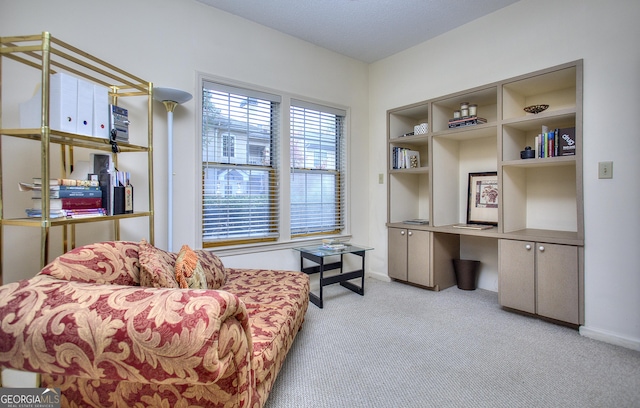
244 215
285 239
304 108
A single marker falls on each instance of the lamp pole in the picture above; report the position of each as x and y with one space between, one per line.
170 98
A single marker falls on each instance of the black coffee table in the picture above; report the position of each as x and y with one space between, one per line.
318 253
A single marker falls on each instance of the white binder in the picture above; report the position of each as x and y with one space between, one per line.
100 111
63 103
85 108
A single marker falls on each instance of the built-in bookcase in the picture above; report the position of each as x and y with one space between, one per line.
409 188
540 198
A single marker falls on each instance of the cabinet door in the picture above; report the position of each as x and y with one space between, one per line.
418 258
398 253
558 286
516 275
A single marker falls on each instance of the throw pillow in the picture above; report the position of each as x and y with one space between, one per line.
213 267
156 267
189 273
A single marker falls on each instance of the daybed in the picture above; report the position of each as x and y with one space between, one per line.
86 323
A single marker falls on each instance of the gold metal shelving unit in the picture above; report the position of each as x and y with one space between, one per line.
50 55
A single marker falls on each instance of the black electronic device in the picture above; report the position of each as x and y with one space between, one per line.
119 124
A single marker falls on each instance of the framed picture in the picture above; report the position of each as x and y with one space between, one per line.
413 159
482 207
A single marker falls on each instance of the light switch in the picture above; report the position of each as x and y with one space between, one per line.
605 170
380 178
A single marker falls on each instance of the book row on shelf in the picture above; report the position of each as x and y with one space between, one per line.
403 158
104 192
555 143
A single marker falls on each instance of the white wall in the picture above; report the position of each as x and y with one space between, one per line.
524 37
168 42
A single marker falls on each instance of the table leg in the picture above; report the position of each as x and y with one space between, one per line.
343 277
313 298
357 274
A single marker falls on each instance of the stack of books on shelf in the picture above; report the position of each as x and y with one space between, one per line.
333 244
67 198
466 121
417 221
403 158
554 143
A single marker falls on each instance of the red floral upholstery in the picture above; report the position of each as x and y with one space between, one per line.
274 317
85 324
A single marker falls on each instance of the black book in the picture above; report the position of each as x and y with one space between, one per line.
567 141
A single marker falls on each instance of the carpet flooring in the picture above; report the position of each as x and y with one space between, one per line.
402 346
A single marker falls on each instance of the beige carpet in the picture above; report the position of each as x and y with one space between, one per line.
401 346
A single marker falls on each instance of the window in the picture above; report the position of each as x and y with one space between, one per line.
239 165
317 169
250 193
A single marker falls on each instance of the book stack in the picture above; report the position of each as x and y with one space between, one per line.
416 221
554 143
466 121
67 198
332 244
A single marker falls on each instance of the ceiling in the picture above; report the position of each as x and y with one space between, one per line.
367 30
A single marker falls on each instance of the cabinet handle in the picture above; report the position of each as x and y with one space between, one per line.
527 247
541 248
401 232
410 233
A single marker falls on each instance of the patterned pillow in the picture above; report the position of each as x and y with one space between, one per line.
111 262
213 267
156 267
188 270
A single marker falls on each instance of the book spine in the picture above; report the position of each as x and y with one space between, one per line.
70 193
70 188
83 213
77 203
69 203
78 188
67 182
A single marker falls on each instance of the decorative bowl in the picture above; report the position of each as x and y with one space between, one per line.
535 109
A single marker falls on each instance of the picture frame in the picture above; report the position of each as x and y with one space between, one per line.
483 198
413 159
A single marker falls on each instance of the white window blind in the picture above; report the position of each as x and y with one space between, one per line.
239 165
317 146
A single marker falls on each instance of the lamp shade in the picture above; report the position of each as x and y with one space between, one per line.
171 95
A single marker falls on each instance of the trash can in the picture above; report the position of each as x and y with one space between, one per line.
466 273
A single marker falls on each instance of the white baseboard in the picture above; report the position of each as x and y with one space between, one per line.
610 337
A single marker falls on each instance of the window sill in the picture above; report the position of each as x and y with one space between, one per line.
272 246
